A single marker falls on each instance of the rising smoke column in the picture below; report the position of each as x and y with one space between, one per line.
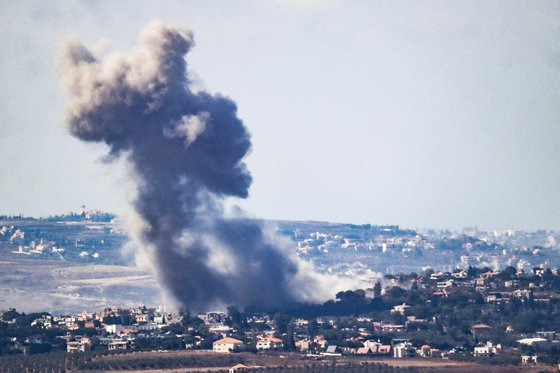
185 149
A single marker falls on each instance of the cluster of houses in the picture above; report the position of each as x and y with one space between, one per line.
395 248
16 237
491 285
149 322
399 348
119 328
142 321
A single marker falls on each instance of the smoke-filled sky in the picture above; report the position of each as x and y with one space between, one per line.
422 114
184 149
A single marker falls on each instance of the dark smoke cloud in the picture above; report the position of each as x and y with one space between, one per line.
186 151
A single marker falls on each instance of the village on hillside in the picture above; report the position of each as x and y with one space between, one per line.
478 314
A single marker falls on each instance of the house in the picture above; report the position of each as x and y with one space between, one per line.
434 352
117 344
481 330
73 346
82 345
113 328
269 343
219 328
331 351
404 350
239 368
424 351
487 350
522 294
363 350
320 341
304 345
528 359
460 274
498 297
390 328
142 318
384 350
226 345
532 341
437 276
129 330
511 283
413 320
401 308
445 284
490 274
372 345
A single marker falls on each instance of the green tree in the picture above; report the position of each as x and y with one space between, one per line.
234 315
397 292
281 320
312 328
377 290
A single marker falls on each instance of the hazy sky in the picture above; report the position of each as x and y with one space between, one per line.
417 113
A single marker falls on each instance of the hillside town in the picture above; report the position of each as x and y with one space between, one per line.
358 251
362 250
478 314
468 296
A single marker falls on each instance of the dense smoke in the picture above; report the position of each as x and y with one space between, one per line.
186 150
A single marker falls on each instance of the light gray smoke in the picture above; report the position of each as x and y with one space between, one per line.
186 151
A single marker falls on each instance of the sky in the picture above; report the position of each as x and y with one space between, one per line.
425 114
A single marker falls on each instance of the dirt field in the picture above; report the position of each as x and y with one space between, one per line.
440 365
63 287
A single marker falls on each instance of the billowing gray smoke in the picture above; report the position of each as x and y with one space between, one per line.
186 150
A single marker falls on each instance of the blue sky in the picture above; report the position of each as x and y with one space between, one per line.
419 113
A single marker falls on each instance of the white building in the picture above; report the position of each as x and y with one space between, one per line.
532 341
269 343
118 344
404 350
401 308
113 328
304 344
84 344
487 350
372 345
226 345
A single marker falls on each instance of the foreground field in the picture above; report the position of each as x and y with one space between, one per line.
283 362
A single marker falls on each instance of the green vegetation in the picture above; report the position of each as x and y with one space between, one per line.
341 368
59 361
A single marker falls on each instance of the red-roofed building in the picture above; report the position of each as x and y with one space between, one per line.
269 343
363 350
480 330
384 349
226 345
239 368
424 351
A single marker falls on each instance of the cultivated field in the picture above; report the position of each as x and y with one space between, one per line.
293 360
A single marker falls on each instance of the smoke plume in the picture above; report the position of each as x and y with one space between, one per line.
185 149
